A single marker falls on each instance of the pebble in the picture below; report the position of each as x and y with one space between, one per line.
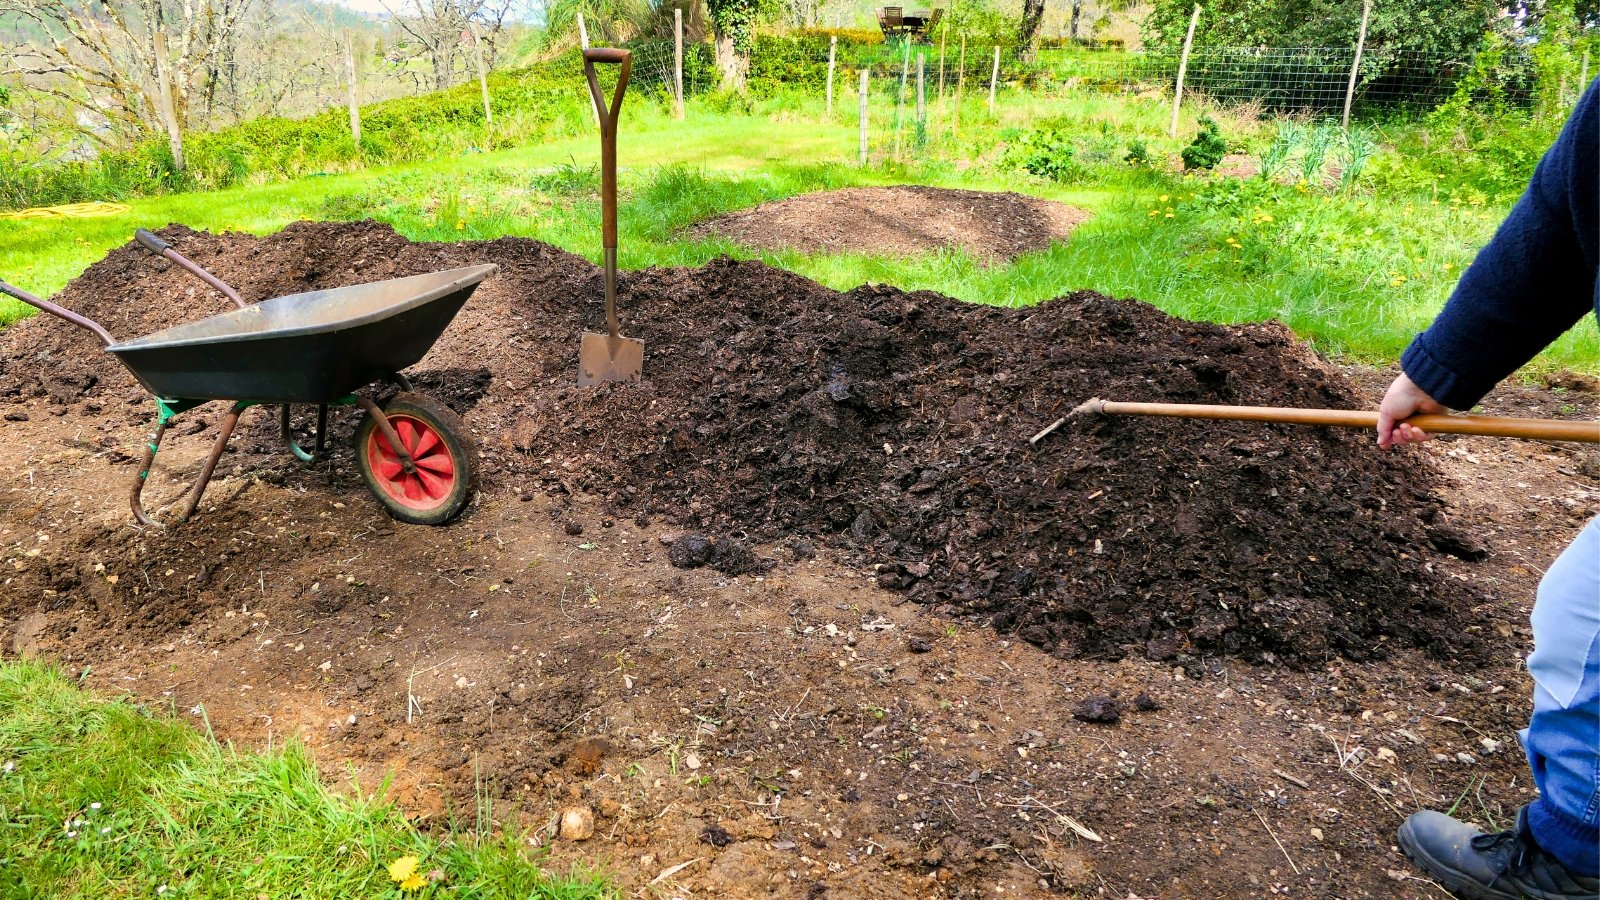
577 823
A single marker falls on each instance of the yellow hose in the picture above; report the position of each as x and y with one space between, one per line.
68 211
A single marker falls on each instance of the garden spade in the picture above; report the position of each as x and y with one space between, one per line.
610 356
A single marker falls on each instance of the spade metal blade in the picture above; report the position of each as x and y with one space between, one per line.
602 358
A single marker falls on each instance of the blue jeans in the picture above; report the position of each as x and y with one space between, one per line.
1562 740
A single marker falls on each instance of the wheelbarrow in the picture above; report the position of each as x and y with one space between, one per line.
315 348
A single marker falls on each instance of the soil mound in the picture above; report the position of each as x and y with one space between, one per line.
904 220
892 427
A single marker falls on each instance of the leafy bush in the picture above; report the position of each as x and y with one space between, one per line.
1046 151
1207 149
1138 154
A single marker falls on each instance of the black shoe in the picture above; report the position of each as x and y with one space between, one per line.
1478 866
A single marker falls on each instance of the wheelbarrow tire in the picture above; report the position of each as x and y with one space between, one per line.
445 456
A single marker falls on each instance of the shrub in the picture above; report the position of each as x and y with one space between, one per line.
1045 151
1207 149
1138 154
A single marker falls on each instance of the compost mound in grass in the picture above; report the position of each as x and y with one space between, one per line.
893 428
903 220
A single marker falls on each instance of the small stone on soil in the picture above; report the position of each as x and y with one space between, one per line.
919 645
716 835
574 527
577 823
1146 703
16 417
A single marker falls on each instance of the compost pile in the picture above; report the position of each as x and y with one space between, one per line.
893 428
901 220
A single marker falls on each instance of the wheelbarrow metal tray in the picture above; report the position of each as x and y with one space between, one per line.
303 348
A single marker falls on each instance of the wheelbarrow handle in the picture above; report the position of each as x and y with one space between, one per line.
152 243
161 248
58 311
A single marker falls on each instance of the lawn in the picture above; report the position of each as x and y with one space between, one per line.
102 798
1355 272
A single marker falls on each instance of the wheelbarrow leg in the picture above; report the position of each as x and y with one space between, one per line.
406 462
144 474
228 423
321 435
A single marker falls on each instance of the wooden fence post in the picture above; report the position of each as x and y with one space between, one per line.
900 99
483 87
351 96
1183 69
939 102
994 78
169 112
583 42
677 58
922 96
1355 64
1583 79
863 115
961 86
833 44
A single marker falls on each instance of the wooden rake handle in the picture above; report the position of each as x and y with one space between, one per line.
1491 426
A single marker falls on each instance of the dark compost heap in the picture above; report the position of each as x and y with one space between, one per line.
892 427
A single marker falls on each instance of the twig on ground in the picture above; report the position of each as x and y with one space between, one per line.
1276 841
1299 782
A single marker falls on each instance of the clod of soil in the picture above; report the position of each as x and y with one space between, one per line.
1100 710
889 427
904 220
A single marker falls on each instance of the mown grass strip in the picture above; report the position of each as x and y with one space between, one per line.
105 799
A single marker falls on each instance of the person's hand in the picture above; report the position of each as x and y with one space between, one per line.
1402 401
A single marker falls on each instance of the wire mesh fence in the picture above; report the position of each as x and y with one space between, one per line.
1294 79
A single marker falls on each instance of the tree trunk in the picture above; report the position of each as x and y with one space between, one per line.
730 64
1028 34
1077 10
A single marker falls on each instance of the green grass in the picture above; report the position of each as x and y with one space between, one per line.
104 799
1356 274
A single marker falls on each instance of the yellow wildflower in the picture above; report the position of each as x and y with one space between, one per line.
1266 217
1164 198
460 224
1154 213
414 882
1448 266
1397 281
1169 215
403 868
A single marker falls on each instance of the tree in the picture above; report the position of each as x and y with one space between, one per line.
733 25
442 29
1028 31
99 56
1440 28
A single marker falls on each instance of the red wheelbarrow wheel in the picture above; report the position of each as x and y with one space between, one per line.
444 455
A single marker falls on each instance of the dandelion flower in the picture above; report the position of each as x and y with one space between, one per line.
1169 215
1448 266
403 868
1164 198
1153 214
413 882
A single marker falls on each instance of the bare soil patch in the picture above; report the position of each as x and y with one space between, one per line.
798 729
903 220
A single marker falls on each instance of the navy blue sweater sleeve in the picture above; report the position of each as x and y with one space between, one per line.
1534 280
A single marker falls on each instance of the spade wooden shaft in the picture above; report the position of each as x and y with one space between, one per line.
608 165
1491 426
